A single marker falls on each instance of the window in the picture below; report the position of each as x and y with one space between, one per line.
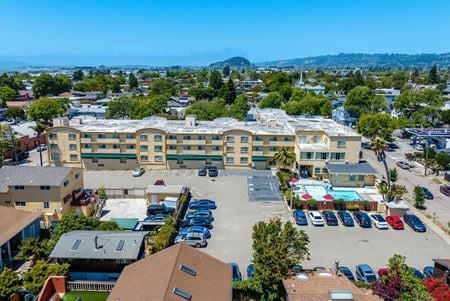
158 158
54 146
87 136
115 136
244 139
302 139
352 178
94 160
46 205
258 148
158 138
77 175
75 245
244 150
201 147
259 138
102 146
54 156
20 203
341 143
130 146
288 138
215 148
143 137
201 137
306 156
87 145
215 138
172 147
187 147
230 149
337 156
72 146
120 244
230 160
19 187
182 293
273 139
186 137
101 136
158 148
144 158
230 139
123 160
360 178
322 156
273 148
45 187
116 146
129 136
317 170
144 148
188 270
244 160
316 139
172 137
53 136
66 182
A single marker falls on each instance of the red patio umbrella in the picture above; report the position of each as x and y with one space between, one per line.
306 196
294 180
328 197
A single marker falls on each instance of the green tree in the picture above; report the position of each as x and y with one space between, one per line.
445 117
132 81
433 76
35 278
15 113
419 197
226 70
215 81
379 147
276 249
33 247
78 75
9 81
372 125
327 109
443 160
228 92
7 94
119 108
7 142
393 175
285 157
45 85
273 100
9 283
165 236
208 110
360 100
240 107
47 108
162 86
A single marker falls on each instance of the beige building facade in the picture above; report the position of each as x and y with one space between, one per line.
157 143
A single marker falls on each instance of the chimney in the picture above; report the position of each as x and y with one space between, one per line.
191 120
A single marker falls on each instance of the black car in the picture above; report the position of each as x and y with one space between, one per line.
202 171
362 219
197 221
21 156
428 194
330 218
156 209
346 218
213 171
366 145
392 146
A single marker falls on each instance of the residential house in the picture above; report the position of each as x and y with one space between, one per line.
98 255
315 89
49 191
16 225
356 175
78 109
343 116
442 269
390 94
178 273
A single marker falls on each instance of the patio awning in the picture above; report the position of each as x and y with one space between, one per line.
328 197
354 168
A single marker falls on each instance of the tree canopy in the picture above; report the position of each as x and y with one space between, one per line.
47 108
136 107
380 124
48 85
361 100
9 283
273 100
7 94
34 279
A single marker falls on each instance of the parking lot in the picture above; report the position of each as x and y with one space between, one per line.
236 214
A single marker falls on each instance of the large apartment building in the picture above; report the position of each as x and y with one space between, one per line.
157 143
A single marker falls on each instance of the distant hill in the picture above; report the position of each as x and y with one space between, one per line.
353 60
236 62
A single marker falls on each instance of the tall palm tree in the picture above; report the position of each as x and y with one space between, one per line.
285 157
39 128
379 147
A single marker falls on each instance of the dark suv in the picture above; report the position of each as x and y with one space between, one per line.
155 209
213 171
362 219
330 218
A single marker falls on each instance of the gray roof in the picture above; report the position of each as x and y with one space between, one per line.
32 176
108 245
356 168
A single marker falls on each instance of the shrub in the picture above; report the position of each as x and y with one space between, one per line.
102 193
339 204
366 205
353 207
165 235
297 202
312 204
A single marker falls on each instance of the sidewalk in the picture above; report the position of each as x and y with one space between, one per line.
430 224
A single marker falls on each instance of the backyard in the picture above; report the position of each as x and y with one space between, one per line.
85 296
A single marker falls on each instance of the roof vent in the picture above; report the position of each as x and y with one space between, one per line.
75 245
182 294
188 270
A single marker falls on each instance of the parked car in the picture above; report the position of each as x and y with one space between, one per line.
139 171
197 221
300 218
251 271
392 146
159 182
21 156
418 147
428 271
403 165
213 171
414 222
316 218
202 171
347 273
330 218
428 194
157 219
199 229
366 145
365 273
194 239
346 218
202 204
200 213
362 219
155 209
378 221
395 222
418 274
235 272
41 148
445 190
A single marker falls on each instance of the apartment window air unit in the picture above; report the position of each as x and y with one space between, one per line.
75 245
188 270
182 294
120 245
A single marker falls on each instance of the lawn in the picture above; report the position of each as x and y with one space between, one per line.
85 296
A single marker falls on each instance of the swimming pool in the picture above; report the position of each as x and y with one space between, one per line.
318 191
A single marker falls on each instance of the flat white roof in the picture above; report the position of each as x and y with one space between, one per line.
171 189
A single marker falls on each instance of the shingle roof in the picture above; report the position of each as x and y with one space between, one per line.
13 221
155 277
355 168
107 245
31 176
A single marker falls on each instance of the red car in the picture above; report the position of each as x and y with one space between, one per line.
445 190
159 182
395 222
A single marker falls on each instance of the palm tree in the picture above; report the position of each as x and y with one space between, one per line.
379 147
39 128
384 190
285 157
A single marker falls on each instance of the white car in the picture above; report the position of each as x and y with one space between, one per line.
378 221
316 218
41 148
418 147
138 171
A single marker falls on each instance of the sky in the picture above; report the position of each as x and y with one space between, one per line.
188 32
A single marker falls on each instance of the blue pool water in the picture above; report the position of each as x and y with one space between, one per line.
318 191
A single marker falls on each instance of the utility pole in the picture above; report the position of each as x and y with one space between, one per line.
11 138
